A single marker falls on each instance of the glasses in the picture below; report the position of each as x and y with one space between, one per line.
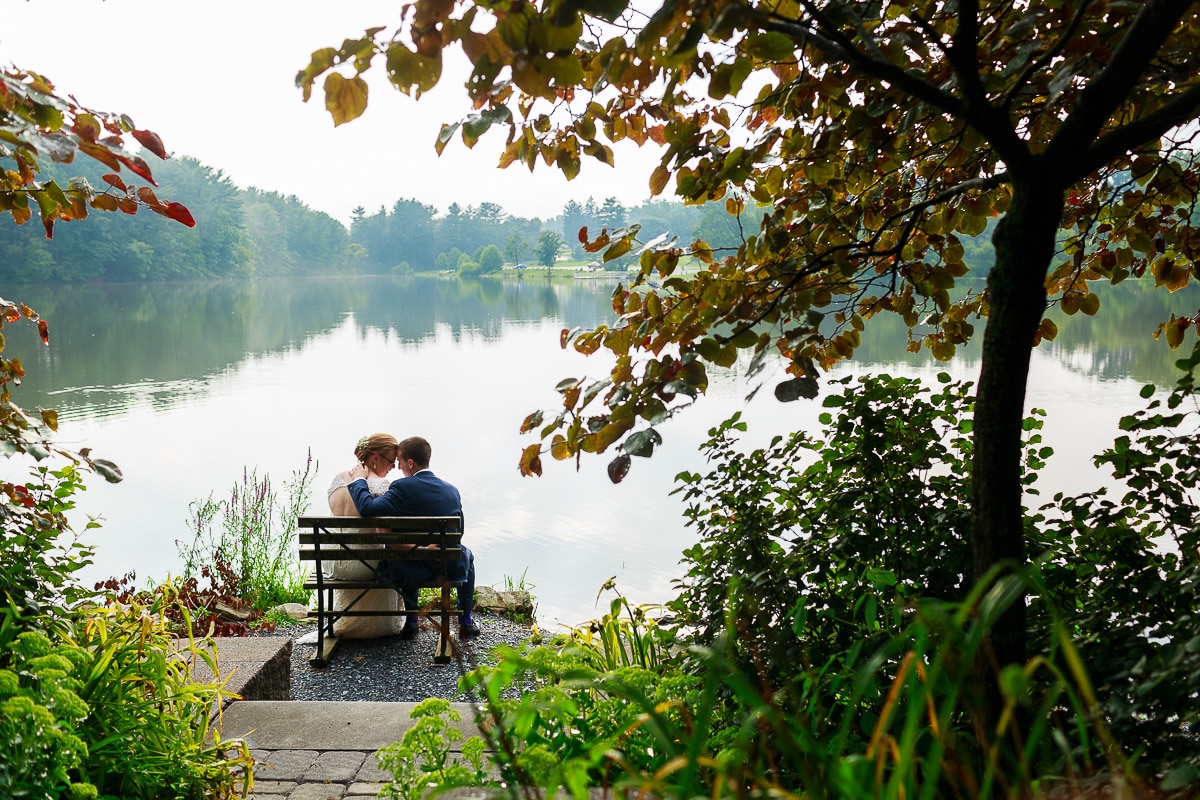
391 462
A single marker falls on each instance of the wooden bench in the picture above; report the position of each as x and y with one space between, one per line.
325 540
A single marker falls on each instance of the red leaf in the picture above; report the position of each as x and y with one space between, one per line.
112 179
150 141
583 237
139 167
179 212
44 331
618 468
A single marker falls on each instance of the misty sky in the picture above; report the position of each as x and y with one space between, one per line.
216 81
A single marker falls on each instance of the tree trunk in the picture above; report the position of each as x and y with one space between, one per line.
1024 246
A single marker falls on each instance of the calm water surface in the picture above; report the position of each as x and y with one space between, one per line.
185 386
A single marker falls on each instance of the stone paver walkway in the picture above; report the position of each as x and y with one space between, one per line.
323 750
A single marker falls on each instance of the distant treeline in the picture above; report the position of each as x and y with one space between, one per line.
250 232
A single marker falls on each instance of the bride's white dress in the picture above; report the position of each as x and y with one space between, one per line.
375 599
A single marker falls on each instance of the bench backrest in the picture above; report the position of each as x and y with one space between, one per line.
445 531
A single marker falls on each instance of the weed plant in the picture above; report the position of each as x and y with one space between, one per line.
248 541
519 584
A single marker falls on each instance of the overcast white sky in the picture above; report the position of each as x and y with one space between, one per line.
215 80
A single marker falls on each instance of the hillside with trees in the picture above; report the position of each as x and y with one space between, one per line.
247 233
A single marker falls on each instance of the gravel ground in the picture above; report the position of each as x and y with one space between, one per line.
390 669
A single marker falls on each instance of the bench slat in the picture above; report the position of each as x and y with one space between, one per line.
392 523
335 553
375 537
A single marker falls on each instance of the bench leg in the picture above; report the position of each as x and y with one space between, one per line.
445 648
324 652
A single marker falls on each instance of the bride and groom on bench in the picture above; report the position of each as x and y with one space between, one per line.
364 490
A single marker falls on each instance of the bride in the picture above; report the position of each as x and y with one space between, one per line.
377 453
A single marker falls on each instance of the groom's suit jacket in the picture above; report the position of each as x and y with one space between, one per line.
422 495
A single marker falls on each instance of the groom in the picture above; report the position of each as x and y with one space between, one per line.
419 493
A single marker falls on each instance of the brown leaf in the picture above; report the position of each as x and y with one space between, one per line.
147 196
531 461
114 180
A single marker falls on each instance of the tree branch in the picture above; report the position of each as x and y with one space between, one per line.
845 53
1184 108
1105 93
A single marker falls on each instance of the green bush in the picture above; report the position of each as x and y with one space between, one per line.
148 729
816 542
42 554
1126 578
824 637
40 713
422 758
94 698
112 709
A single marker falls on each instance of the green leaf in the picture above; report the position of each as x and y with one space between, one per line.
805 386
1180 777
409 71
107 470
605 9
770 46
642 443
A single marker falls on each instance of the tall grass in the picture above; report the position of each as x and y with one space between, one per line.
251 537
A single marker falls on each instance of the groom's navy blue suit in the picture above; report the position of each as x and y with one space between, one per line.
422 495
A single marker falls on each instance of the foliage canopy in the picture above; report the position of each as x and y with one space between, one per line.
872 137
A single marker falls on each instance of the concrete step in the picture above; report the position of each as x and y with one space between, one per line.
325 725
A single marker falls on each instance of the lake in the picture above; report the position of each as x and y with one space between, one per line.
185 386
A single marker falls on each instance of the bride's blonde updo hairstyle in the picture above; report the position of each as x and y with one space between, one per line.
380 444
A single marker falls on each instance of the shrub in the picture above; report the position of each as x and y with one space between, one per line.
93 699
1126 578
42 553
252 552
824 635
816 541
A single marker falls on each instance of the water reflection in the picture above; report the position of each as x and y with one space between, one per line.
131 345
186 385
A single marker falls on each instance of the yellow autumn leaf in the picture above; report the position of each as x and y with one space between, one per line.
658 180
1046 330
345 99
560 449
531 462
1174 331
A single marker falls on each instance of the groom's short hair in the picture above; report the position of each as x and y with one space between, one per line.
417 449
